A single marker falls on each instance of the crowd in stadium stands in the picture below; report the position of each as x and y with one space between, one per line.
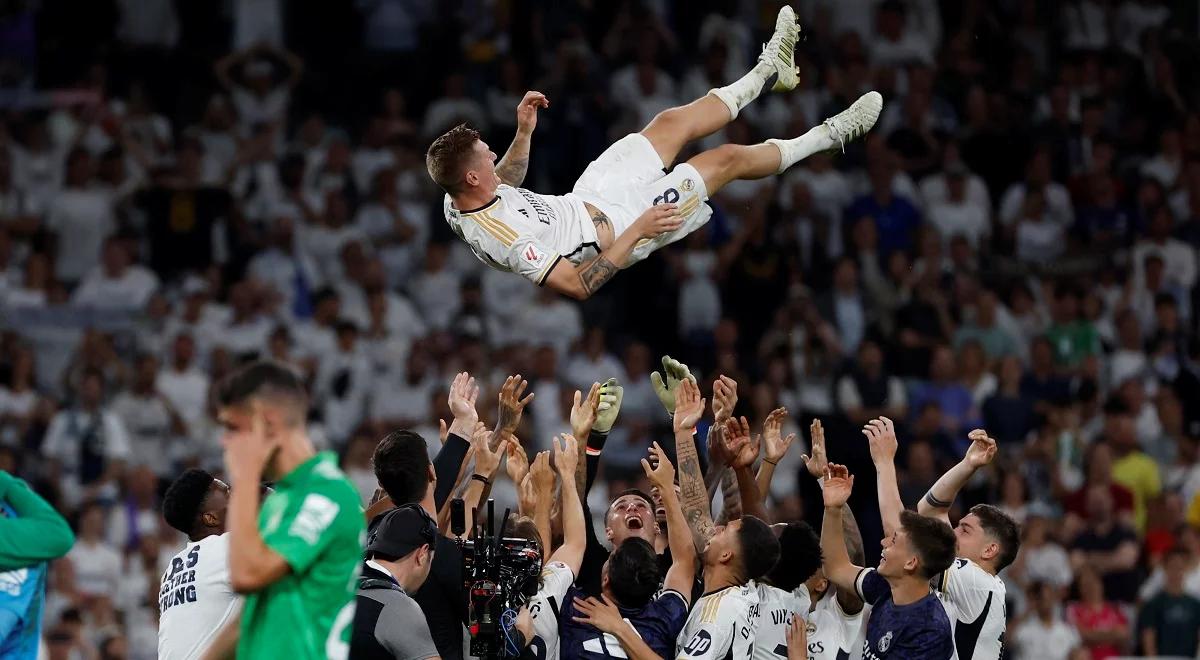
1013 247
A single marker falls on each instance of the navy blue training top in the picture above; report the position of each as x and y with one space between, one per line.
919 630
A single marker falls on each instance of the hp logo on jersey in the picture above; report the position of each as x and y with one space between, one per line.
699 644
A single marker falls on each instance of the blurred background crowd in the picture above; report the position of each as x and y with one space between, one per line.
1014 246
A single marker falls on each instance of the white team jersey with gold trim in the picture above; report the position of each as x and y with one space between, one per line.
974 602
776 610
526 233
722 625
833 634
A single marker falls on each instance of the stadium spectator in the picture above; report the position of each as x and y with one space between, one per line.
1043 632
1102 624
1169 623
90 442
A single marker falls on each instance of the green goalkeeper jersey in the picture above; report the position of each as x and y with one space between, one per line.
314 520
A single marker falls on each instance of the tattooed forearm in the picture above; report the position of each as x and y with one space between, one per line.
512 170
731 495
693 494
599 219
594 274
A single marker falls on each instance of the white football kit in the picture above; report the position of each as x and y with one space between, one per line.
544 607
974 602
833 634
523 232
196 599
776 610
722 625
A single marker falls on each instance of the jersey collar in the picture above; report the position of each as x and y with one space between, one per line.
482 208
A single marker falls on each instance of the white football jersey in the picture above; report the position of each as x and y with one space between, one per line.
833 634
196 599
974 602
722 624
526 233
544 607
776 610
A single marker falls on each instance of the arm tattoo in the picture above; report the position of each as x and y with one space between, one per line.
693 494
599 219
731 494
596 273
935 502
512 170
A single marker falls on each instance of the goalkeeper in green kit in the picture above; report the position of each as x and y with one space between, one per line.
297 560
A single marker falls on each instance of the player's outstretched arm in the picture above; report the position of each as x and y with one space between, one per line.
937 501
838 568
881 434
683 555
581 281
533 501
512 168
744 451
776 447
583 419
566 456
693 495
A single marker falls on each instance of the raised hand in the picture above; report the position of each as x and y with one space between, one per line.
463 394
688 405
583 411
566 455
511 404
527 110
527 495
541 474
662 473
666 384
487 460
982 449
881 434
739 446
517 465
611 395
776 444
838 485
818 461
725 399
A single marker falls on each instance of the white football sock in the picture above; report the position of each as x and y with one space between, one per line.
793 151
739 94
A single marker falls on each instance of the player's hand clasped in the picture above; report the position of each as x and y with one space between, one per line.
657 220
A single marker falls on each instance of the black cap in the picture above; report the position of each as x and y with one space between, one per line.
398 532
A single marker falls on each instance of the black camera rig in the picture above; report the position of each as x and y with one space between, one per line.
499 575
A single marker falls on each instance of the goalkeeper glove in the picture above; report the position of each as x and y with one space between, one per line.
611 394
675 372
